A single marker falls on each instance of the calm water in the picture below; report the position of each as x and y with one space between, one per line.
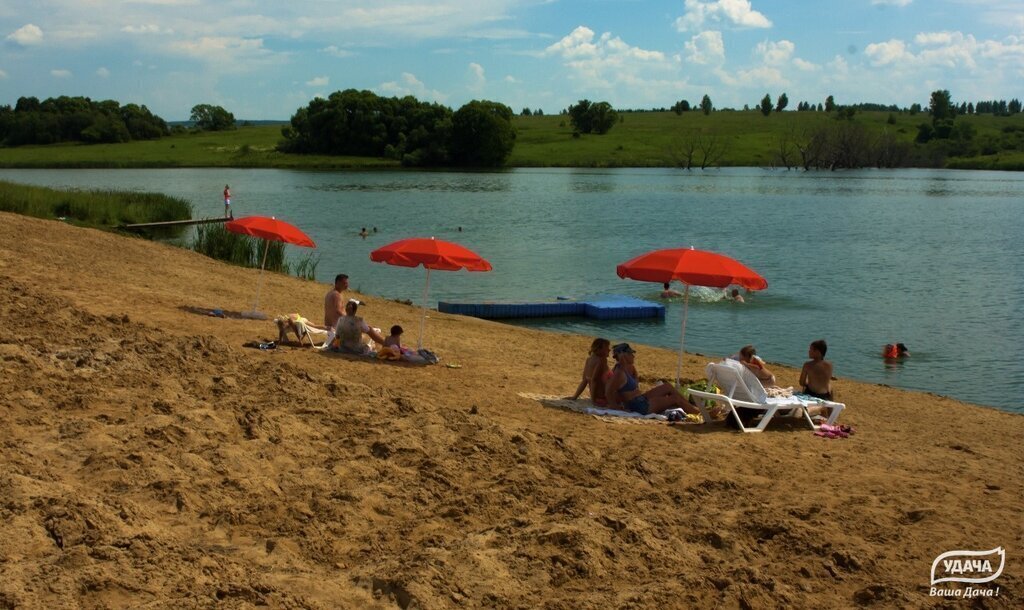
928 257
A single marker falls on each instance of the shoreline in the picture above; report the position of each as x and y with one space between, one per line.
148 458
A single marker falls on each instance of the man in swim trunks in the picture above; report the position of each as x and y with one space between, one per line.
623 392
334 301
816 375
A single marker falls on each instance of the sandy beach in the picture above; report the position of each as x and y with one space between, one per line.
149 460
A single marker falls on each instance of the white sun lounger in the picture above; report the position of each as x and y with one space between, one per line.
740 388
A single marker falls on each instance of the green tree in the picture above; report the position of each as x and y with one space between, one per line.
941 106
830 104
782 103
580 117
212 118
482 134
602 117
681 106
766 105
705 105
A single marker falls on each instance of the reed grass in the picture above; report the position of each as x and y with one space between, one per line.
215 241
102 209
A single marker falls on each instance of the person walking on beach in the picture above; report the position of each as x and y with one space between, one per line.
816 375
227 202
334 301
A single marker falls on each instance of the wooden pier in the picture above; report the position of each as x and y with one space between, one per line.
174 223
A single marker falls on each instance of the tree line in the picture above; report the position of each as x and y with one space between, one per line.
77 119
416 133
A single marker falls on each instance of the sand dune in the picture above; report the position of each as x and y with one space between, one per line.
148 460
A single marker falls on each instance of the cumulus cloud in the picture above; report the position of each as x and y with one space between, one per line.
28 34
408 84
607 62
885 53
511 79
337 52
706 48
736 13
775 53
477 79
891 2
60 73
103 73
319 81
3 75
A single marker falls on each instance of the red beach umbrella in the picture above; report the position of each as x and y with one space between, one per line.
432 254
693 268
268 229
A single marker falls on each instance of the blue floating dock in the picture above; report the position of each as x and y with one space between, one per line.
601 308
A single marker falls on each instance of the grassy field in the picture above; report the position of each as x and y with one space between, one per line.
243 147
645 139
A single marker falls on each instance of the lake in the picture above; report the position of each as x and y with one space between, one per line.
931 258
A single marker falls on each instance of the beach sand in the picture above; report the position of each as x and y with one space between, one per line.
148 460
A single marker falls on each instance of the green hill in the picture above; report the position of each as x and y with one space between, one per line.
641 139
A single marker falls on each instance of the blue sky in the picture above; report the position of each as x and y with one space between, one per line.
264 59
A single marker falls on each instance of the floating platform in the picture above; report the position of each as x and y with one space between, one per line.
601 308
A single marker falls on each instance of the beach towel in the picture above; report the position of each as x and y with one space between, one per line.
587 408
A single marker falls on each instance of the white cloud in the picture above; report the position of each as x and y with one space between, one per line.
891 2
766 76
738 13
706 48
337 52
3 75
26 35
148 28
885 53
60 73
103 73
804 65
318 81
579 43
477 79
608 64
775 53
511 79
228 53
410 85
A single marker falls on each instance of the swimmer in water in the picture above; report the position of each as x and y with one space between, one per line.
668 293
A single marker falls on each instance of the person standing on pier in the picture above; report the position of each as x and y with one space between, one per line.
227 202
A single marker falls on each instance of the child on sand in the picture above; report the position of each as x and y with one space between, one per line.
816 375
595 371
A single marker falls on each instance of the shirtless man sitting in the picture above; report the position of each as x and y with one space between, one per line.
334 301
816 375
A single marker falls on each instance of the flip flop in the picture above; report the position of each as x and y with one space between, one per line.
452 365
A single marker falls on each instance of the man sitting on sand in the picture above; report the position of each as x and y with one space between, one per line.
351 329
334 301
816 375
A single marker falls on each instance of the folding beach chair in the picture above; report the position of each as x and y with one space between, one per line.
741 389
303 331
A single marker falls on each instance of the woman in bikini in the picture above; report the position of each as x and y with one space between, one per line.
623 388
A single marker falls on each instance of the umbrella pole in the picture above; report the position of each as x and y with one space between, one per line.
682 336
423 318
259 282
